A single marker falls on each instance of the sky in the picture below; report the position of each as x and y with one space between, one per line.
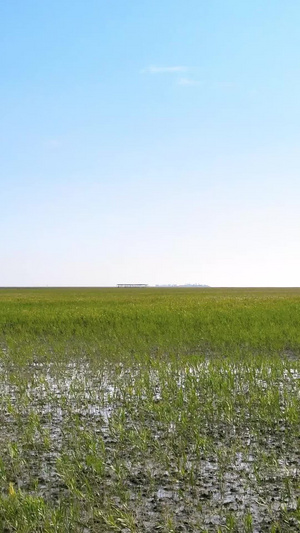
149 142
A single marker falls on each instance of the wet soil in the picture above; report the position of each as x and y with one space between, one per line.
53 423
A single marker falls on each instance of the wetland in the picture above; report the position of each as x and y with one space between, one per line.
149 410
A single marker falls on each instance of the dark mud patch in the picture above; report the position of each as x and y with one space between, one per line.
172 451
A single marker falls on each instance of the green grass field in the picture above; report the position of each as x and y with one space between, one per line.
149 410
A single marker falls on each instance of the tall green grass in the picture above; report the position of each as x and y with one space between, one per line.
123 321
171 410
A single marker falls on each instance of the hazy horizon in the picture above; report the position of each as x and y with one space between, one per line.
149 143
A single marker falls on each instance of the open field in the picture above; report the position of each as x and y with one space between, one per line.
149 410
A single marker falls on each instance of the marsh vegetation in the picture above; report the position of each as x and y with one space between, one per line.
171 410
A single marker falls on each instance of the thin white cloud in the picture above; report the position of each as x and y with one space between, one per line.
52 143
189 81
153 69
224 84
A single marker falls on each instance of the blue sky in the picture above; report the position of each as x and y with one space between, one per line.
150 142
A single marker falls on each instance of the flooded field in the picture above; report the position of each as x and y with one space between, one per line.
150 410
